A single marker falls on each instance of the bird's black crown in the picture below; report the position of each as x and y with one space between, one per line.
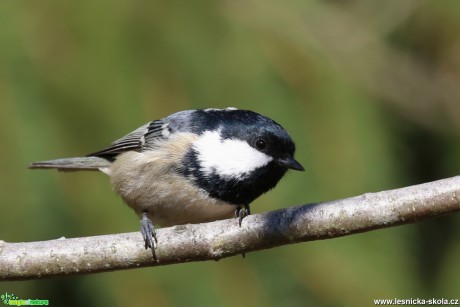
258 131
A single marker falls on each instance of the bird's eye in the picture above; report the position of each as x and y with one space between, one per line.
261 144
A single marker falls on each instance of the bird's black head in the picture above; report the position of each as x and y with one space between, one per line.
239 154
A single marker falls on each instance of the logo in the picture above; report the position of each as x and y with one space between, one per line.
12 300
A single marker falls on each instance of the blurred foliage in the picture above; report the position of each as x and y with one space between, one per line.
368 89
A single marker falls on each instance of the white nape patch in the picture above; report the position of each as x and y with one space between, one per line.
165 131
143 135
229 157
215 109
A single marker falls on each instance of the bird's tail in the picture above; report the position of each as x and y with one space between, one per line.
74 164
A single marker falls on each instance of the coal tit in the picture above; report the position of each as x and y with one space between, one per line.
192 166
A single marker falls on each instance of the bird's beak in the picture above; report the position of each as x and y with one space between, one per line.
291 164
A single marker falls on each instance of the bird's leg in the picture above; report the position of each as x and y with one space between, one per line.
241 213
148 232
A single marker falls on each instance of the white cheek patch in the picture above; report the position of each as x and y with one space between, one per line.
229 157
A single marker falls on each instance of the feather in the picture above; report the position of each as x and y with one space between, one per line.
80 163
135 140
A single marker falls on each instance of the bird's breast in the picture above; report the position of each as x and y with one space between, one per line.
150 181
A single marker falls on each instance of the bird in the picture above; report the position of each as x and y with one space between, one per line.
193 166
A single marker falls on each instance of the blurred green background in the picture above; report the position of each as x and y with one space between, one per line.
370 91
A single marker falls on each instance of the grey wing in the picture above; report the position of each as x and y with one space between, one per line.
135 140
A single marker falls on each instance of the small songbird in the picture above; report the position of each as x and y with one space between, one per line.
192 166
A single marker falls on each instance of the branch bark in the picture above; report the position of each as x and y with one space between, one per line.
220 239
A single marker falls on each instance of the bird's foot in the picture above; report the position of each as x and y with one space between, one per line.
148 232
242 212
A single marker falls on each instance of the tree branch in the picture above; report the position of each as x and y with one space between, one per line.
220 239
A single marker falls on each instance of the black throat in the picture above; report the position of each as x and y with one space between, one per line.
241 191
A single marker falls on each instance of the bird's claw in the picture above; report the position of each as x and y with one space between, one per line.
242 212
148 232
